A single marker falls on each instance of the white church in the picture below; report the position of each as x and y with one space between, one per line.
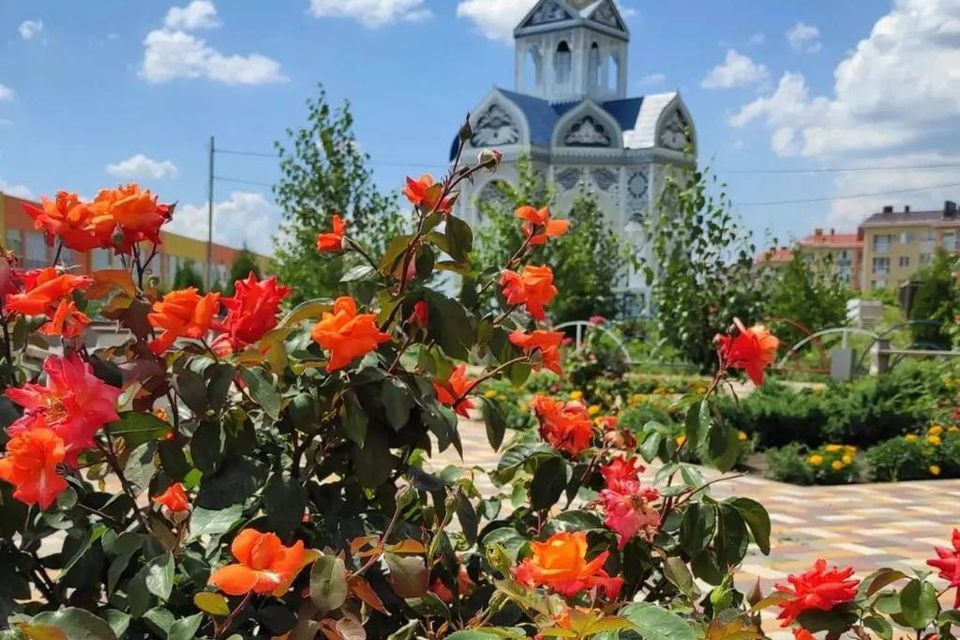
570 115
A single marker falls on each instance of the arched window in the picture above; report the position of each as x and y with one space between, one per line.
532 69
593 64
561 63
613 72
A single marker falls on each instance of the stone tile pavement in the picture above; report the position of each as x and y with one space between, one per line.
865 526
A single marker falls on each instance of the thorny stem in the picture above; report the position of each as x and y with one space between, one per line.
233 615
383 540
476 383
124 483
359 249
56 258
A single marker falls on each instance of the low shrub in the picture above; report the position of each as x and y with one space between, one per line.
827 464
777 415
917 456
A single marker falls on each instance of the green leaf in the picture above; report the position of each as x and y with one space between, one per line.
208 445
285 501
328 583
459 238
918 604
697 528
160 575
77 624
192 390
495 423
549 481
408 575
185 628
212 603
397 402
358 272
261 387
722 447
220 377
126 545
651 447
756 518
354 419
697 423
879 626
655 623
469 521
140 466
878 580
373 463
307 310
214 522
137 427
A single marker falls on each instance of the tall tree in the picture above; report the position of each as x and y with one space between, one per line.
936 301
245 264
809 295
187 275
588 263
323 172
700 266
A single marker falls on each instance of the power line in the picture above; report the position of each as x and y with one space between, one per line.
842 170
241 181
381 163
848 197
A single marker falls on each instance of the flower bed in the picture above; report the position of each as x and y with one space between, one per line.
239 470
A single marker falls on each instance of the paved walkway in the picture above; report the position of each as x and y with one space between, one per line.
865 526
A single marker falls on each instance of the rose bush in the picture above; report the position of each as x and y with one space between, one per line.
237 470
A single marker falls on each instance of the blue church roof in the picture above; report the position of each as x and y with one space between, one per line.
543 115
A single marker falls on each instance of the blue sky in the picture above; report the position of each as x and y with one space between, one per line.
96 92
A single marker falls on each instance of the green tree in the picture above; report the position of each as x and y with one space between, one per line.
588 262
812 296
323 173
245 264
188 275
701 265
936 300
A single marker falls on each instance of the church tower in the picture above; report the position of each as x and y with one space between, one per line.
572 50
570 117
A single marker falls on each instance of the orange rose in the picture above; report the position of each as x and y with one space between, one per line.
333 242
30 465
264 565
752 350
346 334
455 387
174 498
426 194
183 314
532 287
66 217
48 292
560 563
538 226
134 211
567 427
546 344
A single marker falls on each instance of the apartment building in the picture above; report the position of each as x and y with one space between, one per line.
839 254
898 243
19 235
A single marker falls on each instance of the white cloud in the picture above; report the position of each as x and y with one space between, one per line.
757 39
894 103
736 70
804 37
496 19
30 29
171 52
653 79
199 14
143 167
245 218
17 190
372 13
6 93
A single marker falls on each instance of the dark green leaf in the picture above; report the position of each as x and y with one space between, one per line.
354 419
78 624
285 501
495 423
328 583
220 376
185 628
208 446
397 402
214 522
756 518
192 390
467 515
262 389
549 481
918 604
656 623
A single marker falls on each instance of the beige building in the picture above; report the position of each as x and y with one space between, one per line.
835 253
897 243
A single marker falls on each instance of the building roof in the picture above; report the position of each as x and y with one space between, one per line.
833 239
563 14
948 215
775 255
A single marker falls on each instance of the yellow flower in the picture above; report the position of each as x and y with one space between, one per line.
954 429
680 440
934 440
837 465
850 448
847 459
934 470
935 430
815 460
576 395
593 410
834 448
490 393
742 436
910 437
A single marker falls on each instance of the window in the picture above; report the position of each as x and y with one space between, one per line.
69 258
36 253
904 261
101 259
925 259
613 72
927 236
593 64
171 268
15 241
906 238
881 265
881 243
878 284
532 74
561 63
950 240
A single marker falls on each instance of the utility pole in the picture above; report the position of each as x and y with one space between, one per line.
208 271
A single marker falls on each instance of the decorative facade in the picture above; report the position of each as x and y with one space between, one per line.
570 115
